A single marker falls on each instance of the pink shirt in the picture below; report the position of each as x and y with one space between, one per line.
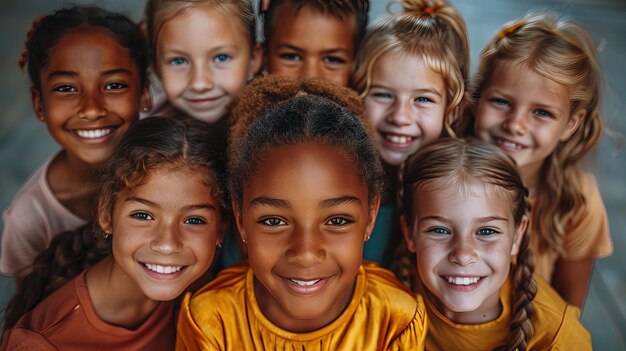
32 219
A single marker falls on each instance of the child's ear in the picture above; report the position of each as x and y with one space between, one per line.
519 235
408 234
373 212
104 218
145 103
256 59
574 122
239 221
38 106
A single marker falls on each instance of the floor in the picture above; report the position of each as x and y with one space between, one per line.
25 144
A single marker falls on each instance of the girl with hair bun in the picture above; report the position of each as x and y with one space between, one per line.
465 217
411 71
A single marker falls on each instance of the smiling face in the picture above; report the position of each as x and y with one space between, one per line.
406 105
305 216
464 239
525 114
91 92
307 43
204 58
165 232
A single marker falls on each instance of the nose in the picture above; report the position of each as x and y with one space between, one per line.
516 123
92 107
202 78
464 252
311 69
168 239
400 114
306 247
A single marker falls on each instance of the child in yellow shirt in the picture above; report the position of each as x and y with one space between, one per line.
465 217
305 185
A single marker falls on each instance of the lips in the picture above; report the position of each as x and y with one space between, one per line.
162 269
304 286
508 144
94 134
397 140
462 280
204 102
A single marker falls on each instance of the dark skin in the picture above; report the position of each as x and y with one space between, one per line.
571 279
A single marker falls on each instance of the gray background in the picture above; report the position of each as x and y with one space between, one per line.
25 143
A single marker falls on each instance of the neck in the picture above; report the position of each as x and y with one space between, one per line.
530 176
116 298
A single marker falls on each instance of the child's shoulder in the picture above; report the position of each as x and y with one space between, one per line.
229 285
383 288
556 322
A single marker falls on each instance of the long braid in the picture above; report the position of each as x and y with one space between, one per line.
525 289
403 262
69 254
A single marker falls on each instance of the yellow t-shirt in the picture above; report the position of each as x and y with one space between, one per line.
556 325
224 315
586 234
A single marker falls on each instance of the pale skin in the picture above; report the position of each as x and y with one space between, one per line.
529 127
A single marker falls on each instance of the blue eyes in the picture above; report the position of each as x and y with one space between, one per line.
178 61
439 231
486 231
221 58
481 231
423 99
194 220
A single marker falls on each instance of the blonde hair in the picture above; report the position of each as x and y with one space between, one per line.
431 30
157 12
560 50
460 161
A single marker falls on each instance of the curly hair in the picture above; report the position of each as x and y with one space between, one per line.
460 161
276 111
560 50
150 144
46 31
433 31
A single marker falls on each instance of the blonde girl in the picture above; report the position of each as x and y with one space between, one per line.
305 186
410 71
162 210
465 218
537 96
204 52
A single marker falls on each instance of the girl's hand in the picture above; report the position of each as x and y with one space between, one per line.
265 4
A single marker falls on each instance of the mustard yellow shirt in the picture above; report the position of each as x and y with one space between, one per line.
224 315
555 322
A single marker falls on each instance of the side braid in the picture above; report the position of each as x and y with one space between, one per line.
525 289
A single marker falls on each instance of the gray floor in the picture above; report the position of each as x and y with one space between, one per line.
25 144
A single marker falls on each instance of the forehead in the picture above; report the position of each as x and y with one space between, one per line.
471 196
289 170
89 47
406 69
308 26
519 76
202 25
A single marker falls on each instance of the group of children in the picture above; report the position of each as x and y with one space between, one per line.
313 158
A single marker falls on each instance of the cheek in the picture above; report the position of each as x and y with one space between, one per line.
173 83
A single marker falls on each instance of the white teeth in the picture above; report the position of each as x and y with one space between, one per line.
398 139
509 144
462 280
163 269
305 282
94 133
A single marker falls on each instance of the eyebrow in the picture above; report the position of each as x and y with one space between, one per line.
62 73
347 199
270 201
421 90
479 220
205 206
329 51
